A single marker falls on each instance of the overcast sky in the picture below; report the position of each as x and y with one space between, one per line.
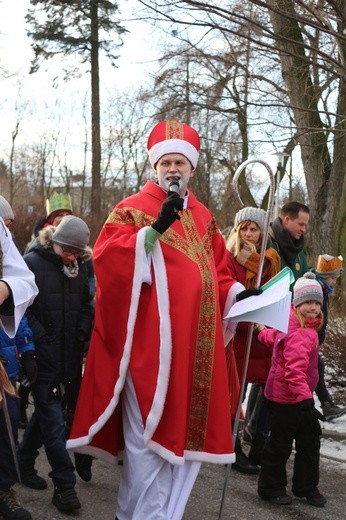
137 57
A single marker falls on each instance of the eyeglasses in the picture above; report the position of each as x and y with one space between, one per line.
70 251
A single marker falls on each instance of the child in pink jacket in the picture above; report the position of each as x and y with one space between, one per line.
289 390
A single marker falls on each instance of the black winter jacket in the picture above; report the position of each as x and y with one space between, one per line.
60 316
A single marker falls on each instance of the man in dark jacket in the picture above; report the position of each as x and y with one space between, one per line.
288 237
61 322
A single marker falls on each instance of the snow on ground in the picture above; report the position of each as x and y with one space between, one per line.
336 425
333 444
334 450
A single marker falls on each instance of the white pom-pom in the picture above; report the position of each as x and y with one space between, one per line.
310 275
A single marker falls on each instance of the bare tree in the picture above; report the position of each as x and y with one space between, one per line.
20 110
125 167
308 38
218 88
78 27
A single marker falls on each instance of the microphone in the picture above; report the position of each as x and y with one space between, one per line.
174 186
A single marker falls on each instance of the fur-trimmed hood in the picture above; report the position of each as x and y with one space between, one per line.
45 240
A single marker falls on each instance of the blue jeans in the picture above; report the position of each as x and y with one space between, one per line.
8 473
47 427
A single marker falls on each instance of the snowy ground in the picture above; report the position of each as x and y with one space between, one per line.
333 443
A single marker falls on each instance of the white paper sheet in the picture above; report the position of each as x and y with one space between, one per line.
271 308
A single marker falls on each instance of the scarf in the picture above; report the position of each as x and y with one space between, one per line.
328 288
312 323
288 247
271 266
71 270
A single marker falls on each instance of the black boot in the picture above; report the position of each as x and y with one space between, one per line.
66 500
242 463
332 411
31 479
83 466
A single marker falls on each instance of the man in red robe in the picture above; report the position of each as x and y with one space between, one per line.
155 387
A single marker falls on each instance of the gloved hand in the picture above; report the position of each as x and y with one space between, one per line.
169 212
29 367
307 404
248 292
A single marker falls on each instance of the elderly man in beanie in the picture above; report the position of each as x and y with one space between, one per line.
162 288
60 319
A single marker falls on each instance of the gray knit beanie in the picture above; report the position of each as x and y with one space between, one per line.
72 232
6 212
253 214
307 289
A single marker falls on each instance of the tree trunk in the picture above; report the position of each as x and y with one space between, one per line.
95 202
322 177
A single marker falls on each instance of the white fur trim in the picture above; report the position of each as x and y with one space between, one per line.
173 146
228 325
146 268
235 289
136 291
198 456
155 413
75 446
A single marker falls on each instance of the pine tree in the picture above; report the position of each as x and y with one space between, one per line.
78 27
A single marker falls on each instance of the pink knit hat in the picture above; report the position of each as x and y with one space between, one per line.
307 289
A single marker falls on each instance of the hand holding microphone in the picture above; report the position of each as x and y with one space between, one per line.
174 187
170 208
